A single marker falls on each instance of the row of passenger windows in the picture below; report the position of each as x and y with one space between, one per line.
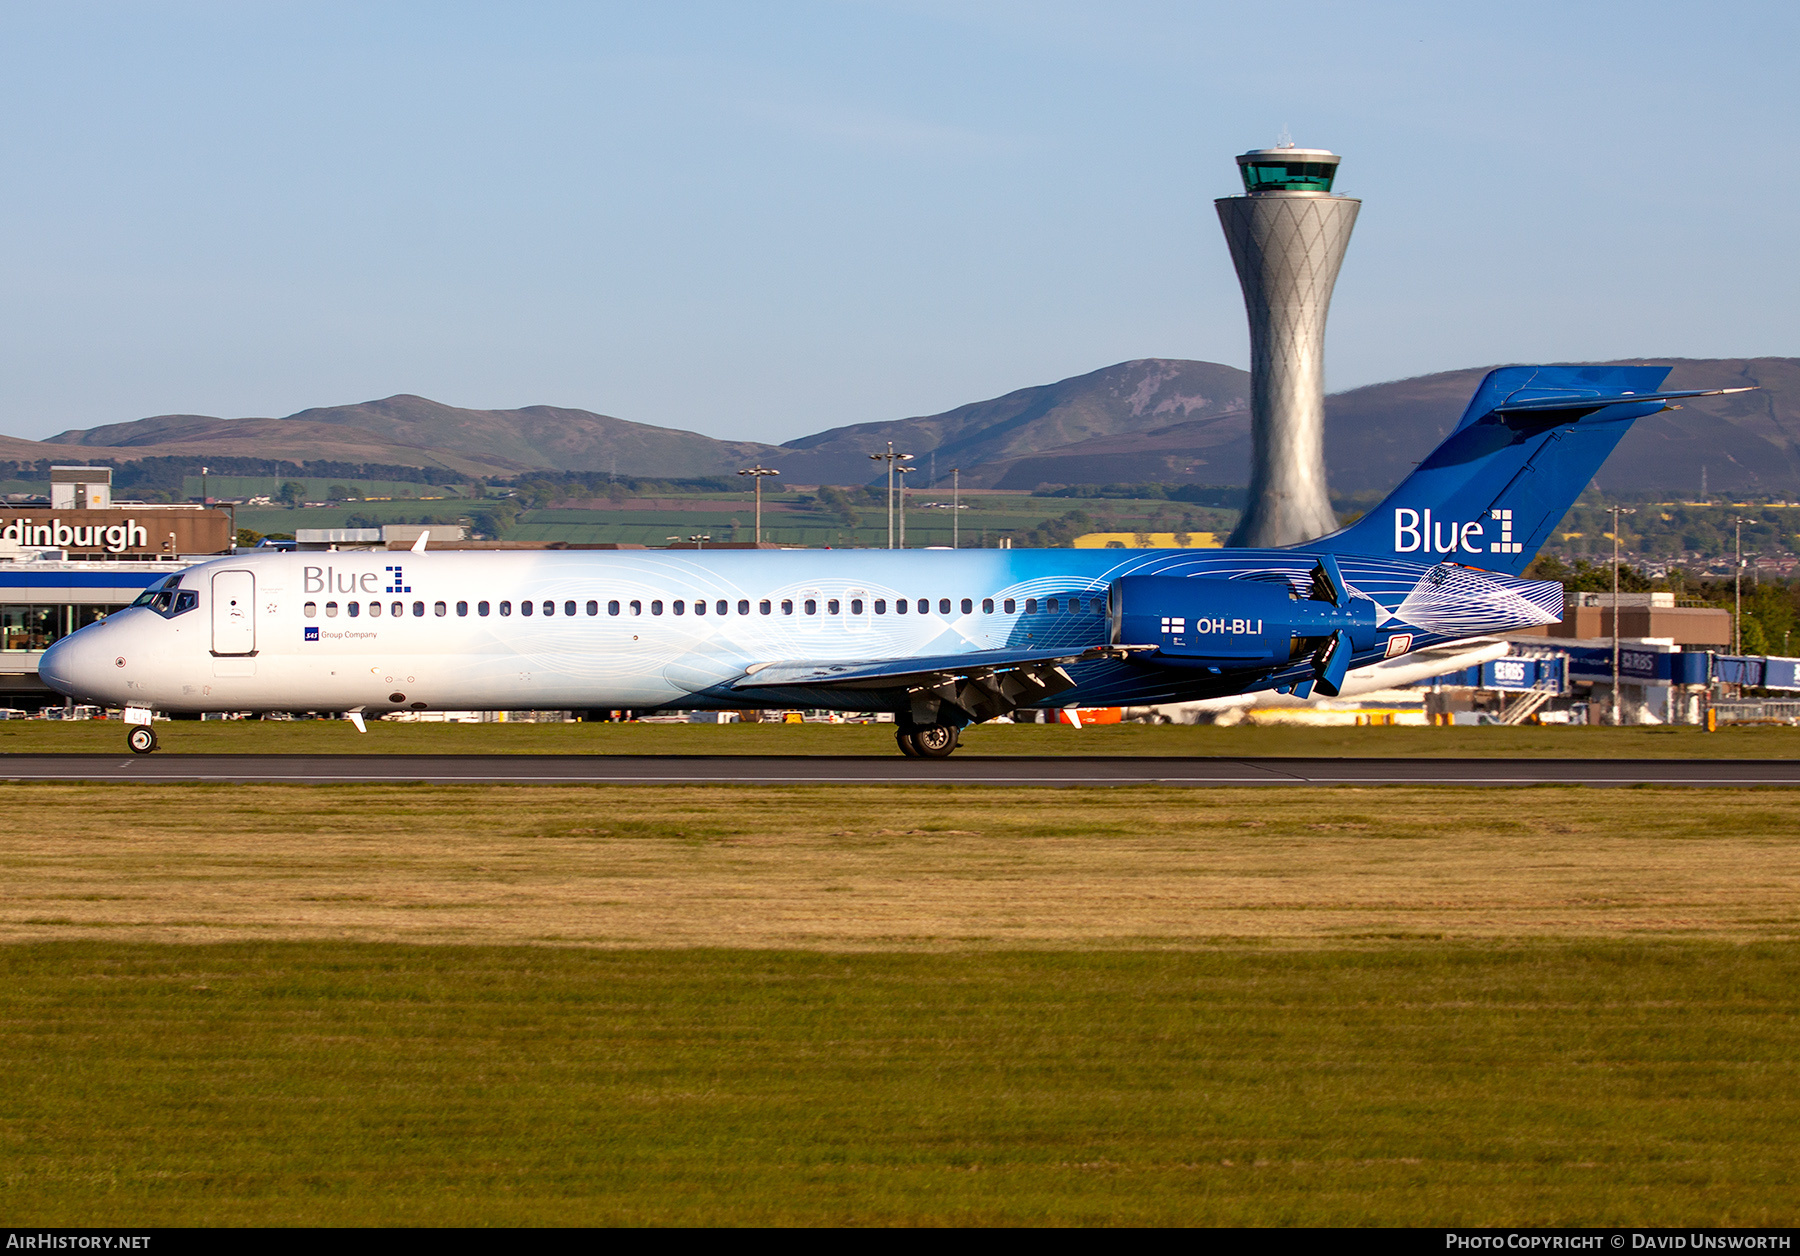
808 606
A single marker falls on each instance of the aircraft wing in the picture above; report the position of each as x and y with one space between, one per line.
985 683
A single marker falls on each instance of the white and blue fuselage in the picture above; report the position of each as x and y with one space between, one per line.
459 630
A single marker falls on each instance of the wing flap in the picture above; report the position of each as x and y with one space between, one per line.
897 673
983 683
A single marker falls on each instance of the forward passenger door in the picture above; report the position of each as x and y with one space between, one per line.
234 612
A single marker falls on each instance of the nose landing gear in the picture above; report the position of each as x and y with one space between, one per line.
927 741
141 739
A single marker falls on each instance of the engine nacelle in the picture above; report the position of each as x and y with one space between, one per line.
1198 622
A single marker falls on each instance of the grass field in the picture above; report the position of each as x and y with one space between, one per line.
732 517
257 737
947 867
1614 1084
578 1005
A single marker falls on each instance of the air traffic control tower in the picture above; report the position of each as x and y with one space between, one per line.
1287 235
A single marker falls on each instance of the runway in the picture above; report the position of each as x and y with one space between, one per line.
1044 772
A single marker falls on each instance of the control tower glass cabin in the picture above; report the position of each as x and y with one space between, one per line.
1288 170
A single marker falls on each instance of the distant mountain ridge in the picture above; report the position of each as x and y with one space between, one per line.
1153 419
1131 397
531 438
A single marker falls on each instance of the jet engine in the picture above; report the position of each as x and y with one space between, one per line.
1245 624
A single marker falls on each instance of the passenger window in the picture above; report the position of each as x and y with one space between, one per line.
833 607
374 610
700 606
681 608
987 606
462 609
656 608
593 608
439 609
1009 606
549 608
331 610
925 606
1050 606
787 606
612 608
856 606
1031 606
353 609
526 608
899 606
812 607
968 607
637 608
724 607
506 608
310 610
397 609
569 608
763 606
481 608
744 606
881 606
943 606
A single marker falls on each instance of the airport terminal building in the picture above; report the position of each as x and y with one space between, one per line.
71 559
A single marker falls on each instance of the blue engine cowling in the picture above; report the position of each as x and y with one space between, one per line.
1251 624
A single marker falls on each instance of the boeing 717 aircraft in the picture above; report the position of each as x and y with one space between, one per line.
942 639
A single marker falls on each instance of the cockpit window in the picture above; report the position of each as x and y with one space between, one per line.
166 600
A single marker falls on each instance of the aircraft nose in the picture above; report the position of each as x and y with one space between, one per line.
78 666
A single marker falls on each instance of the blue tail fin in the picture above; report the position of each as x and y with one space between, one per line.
1531 439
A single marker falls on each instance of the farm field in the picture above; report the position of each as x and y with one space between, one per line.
524 1005
261 737
731 517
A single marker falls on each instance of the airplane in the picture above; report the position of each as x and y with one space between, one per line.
939 639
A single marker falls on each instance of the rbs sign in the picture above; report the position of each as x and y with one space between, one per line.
1415 532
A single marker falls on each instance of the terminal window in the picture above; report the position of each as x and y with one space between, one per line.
36 627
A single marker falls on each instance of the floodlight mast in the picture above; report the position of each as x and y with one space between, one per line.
1616 512
756 474
901 501
890 457
1737 585
955 507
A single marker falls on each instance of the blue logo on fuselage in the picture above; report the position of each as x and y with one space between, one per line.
312 632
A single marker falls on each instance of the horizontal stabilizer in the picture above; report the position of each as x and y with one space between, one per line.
1596 401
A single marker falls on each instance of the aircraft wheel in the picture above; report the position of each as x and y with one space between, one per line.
141 739
904 737
936 741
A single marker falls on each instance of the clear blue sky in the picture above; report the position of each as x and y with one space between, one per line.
761 219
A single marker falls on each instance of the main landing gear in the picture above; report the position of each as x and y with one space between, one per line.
927 741
141 739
